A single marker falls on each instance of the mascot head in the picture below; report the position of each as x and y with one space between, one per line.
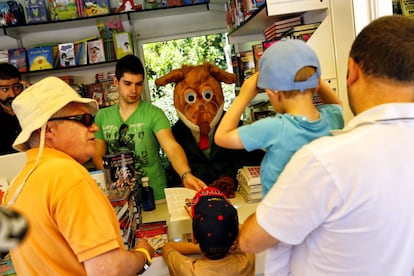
198 96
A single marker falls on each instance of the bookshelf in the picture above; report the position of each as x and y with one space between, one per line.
331 40
64 31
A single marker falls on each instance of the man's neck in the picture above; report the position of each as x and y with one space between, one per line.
126 109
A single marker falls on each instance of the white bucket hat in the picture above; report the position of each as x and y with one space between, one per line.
37 104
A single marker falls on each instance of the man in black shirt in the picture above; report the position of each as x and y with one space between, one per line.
11 85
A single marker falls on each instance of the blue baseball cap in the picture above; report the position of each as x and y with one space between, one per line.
280 63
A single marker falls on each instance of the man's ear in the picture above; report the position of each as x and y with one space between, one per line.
353 72
273 94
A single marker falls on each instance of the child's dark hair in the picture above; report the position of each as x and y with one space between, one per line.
129 64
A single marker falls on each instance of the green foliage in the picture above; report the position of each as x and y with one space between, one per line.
163 57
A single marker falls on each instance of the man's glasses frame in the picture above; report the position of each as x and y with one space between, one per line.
85 119
17 87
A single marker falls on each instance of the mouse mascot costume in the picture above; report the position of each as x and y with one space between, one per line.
199 101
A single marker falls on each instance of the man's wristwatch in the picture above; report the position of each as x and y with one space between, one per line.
147 256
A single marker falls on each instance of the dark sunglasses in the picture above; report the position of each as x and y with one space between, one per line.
85 119
17 87
122 138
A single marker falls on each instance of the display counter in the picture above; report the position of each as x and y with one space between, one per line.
177 228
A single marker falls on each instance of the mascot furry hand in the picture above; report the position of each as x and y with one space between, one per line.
199 102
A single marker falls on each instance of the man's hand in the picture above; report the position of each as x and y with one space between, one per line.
192 182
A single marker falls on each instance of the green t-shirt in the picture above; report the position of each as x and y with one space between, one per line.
140 138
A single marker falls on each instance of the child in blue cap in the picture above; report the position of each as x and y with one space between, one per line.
289 72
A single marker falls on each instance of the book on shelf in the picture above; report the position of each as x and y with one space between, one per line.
407 8
108 27
155 232
246 64
35 11
62 10
122 44
303 35
81 50
96 51
90 8
176 199
17 57
109 49
40 58
257 54
267 43
66 54
96 92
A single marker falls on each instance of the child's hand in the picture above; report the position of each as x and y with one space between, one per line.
249 86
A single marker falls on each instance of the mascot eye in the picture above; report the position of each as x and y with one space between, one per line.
207 95
190 97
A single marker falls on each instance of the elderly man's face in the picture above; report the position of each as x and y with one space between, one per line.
73 137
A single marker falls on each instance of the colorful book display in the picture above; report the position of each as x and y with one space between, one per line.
63 10
122 44
35 11
17 57
40 58
96 51
90 8
66 55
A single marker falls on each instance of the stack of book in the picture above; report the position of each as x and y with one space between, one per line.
250 187
279 28
128 214
303 32
156 233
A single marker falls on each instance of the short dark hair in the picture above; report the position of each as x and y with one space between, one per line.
8 71
384 48
129 64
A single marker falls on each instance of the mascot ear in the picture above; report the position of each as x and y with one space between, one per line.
176 75
221 75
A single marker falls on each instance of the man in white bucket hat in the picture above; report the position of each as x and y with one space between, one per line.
73 229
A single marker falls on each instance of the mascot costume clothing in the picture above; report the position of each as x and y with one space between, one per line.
199 102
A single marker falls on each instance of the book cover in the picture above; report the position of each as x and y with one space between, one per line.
155 232
257 54
95 7
246 64
96 92
108 27
40 58
96 51
66 54
63 10
119 171
35 11
122 44
407 8
18 58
